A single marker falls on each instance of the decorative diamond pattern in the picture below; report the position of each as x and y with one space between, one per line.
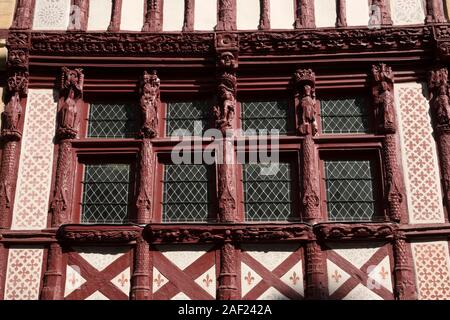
185 193
117 120
419 155
23 276
267 194
189 117
350 190
105 193
36 162
432 267
407 12
345 116
265 115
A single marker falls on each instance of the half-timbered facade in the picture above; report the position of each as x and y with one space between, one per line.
352 96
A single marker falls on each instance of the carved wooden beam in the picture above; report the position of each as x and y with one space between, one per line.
153 16
12 126
99 233
79 15
264 20
354 232
116 16
405 288
306 110
189 15
316 276
23 16
435 12
68 120
341 14
226 18
53 288
227 289
440 110
384 110
140 280
305 14
146 173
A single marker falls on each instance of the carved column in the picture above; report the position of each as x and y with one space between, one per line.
405 288
435 12
11 134
306 109
224 114
440 111
228 273
380 13
79 15
23 17
69 106
316 275
385 119
116 16
305 14
189 13
341 14
226 19
264 20
52 289
140 280
153 16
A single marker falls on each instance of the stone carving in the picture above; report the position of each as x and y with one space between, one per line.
153 16
150 100
227 16
305 14
116 16
189 11
18 59
264 19
22 16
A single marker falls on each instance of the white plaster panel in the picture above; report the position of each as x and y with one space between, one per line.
180 296
272 294
205 12
247 14
282 14
99 15
249 279
24 273
336 277
361 292
405 12
51 15
132 15
173 13
36 162
123 281
269 256
294 278
183 258
101 257
159 280
356 254
97 295
325 13
208 281
74 280
419 156
382 274
357 12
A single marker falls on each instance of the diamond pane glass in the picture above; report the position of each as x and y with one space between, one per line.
267 192
345 116
187 118
116 120
350 190
185 197
105 193
265 115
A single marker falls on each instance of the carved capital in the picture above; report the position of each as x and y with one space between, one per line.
305 89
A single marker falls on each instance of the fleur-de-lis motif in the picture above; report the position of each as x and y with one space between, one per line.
249 278
336 276
158 280
294 278
207 281
383 273
73 280
122 280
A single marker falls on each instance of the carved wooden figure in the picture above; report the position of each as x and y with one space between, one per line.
384 98
150 100
153 16
264 19
305 14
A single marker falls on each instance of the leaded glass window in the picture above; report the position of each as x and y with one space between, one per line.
113 120
345 115
265 115
267 192
350 187
186 193
106 189
191 117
